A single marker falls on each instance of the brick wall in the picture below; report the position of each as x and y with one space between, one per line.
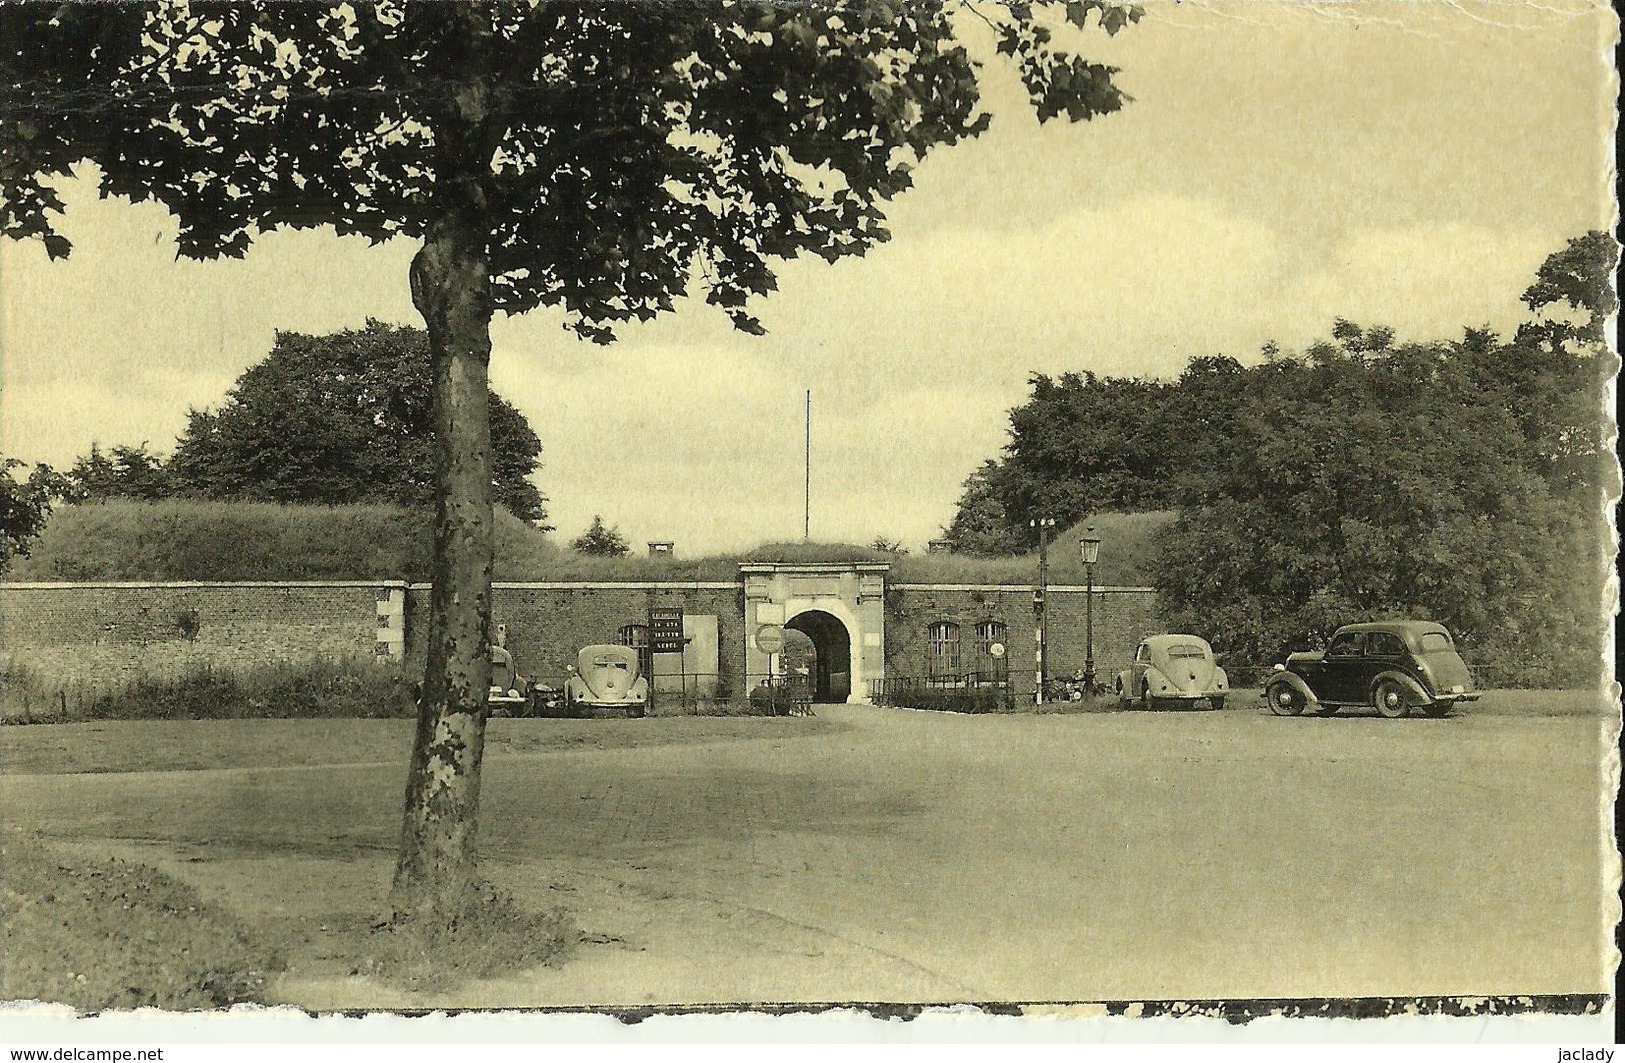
88 632
1122 617
548 623
101 632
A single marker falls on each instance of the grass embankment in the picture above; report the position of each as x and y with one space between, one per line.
106 933
231 541
226 541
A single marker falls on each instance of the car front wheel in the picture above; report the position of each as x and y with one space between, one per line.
1390 699
1286 700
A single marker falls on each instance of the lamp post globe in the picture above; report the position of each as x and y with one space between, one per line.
1089 547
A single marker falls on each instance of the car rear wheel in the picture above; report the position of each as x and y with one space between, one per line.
1286 700
1438 708
1390 699
1217 703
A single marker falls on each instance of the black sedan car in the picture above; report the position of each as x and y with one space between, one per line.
1394 666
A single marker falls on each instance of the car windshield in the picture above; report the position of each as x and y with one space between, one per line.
1185 650
1435 642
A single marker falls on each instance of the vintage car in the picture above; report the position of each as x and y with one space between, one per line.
606 677
510 691
1172 671
512 694
1393 666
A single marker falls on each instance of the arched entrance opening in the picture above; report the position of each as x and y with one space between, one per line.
830 667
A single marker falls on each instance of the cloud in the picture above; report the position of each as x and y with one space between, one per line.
1427 281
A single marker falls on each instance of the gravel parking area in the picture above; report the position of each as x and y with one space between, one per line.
889 855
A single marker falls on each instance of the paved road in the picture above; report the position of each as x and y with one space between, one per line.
914 856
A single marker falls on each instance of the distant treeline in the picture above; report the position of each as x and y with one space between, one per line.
1363 477
343 418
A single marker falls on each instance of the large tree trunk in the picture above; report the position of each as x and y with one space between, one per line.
436 874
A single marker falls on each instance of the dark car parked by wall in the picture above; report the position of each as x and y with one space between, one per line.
1393 666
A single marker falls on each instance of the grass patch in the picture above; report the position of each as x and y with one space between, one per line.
490 938
178 745
102 934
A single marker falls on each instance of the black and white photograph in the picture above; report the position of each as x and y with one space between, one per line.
1086 513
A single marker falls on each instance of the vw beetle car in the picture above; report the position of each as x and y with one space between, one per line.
1172 671
1393 666
509 690
606 677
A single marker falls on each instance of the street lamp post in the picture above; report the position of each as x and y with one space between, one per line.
1041 605
1090 547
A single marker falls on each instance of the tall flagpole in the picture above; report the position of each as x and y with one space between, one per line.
806 512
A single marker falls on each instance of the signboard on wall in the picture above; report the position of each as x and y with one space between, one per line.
666 631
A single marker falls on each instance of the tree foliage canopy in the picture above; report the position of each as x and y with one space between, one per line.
1361 478
600 540
342 418
614 146
122 471
24 508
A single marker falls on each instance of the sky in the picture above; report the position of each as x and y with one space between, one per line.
1281 165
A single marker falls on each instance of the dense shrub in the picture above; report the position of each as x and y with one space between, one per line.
955 699
309 690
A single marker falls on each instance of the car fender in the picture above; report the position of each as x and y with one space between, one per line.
1295 681
1409 682
1153 676
1221 679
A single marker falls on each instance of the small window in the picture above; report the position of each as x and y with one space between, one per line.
1143 653
1384 644
1186 651
637 636
1346 645
990 633
1435 642
942 649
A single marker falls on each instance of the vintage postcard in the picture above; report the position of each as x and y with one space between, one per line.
1071 509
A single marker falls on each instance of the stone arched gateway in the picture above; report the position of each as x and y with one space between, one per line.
841 607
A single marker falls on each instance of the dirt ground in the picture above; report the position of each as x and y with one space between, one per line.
884 855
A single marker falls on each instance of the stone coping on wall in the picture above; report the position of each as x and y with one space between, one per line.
588 585
201 584
759 567
566 585
1053 588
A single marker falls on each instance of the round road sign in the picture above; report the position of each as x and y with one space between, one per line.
770 638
